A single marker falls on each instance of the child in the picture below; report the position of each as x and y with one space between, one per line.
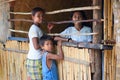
33 62
49 69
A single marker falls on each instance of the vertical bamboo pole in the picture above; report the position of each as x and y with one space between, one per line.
67 64
97 27
113 63
105 65
116 11
109 19
1 62
80 65
64 65
71 63
105 19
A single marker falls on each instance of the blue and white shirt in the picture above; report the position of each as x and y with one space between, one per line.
78 38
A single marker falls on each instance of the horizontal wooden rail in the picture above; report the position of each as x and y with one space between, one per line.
74 9
14 50
78 61
25 20
60 22
55 34
62 10
71 21
75 44
19 31
78 34
88 45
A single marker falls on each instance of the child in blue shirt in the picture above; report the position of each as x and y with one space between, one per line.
49 69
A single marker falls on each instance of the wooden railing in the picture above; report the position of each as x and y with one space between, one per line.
75 66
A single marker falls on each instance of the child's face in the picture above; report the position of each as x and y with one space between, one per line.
48 45
38 17
77 16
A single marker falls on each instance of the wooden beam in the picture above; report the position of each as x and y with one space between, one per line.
21 13
62 10
88 45
110 20
14 50
78 34
25 20
60 22
74 9
54 34
105 19
19 31
97 27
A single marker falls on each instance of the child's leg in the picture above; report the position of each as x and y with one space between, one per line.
34 69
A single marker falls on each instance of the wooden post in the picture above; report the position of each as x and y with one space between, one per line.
116 11
97 27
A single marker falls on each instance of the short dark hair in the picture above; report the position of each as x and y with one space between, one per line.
82 13
45 38
84 17
37 9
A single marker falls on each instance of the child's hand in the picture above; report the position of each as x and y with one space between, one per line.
59 43
50 26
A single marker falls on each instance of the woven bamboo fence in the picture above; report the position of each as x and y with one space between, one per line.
12 64
75 66
109 55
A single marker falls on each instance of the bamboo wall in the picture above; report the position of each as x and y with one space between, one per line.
116 11
109 55
75 66
12 64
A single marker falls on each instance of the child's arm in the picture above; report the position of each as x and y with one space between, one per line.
50 26
59 56
36 43
60 38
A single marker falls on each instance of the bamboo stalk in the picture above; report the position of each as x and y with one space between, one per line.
62 10
65 65
76 67
55 34
19 31
25 20
74 9
60 22
72 64
71 21
105 19
80 65
21 13
14 50
109 20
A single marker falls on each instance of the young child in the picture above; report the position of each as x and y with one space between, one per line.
49 69
33 62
